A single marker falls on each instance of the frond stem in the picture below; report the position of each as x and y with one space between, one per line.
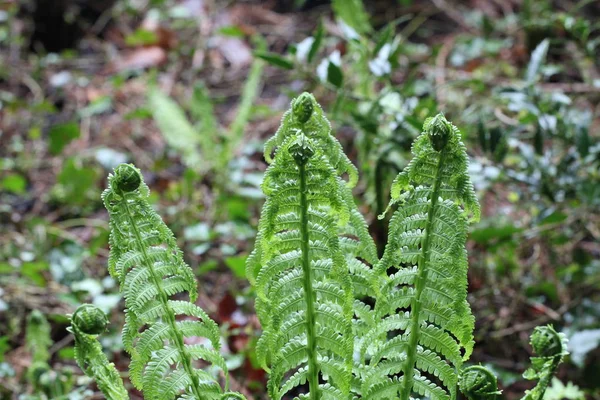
420 280
313 367
545 380
170 315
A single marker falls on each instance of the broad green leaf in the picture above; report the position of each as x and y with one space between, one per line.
275 59
61 135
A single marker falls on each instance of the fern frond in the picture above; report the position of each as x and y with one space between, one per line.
478 383
87 323
149 266
424 298
550 347
311 240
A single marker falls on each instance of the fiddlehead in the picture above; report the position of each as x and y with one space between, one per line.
149 266
425 297
550 347
478 383
87 323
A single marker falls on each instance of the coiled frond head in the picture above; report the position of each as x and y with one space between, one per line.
550 347
126 178
546 342
89 319
478 383
438 130
303 106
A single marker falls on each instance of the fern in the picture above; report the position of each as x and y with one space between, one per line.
550 347
149 266
308 224
87 323
478 383
316 273
425 297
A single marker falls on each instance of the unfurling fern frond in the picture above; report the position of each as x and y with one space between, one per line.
146 261
550 347
424 298
306 116
310 237
478 383
87 323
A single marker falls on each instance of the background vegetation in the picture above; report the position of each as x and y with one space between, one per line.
190 89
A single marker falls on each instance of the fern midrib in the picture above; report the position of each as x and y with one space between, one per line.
420 280
544 382
163 298
313 367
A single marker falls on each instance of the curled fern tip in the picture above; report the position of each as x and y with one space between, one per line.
90 319
439 130
303 107
546 342
478 383
127 178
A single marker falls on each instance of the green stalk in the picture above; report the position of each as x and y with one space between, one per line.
313 367
544 382
420 280
184 356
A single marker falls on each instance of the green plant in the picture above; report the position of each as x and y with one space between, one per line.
550 347
204 146
426 297
317 276
87 323
305 291
46 382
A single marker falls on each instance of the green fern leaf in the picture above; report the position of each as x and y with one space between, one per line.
425 298
313 254
148 264
87 323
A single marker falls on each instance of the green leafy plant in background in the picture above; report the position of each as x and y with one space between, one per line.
205 145
317 277
46 382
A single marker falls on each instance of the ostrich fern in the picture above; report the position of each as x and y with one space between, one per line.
149 266
310 234
425 298
338 323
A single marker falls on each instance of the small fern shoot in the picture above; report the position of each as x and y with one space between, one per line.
301 275
550 347
87 323
478 383
149 266
425 297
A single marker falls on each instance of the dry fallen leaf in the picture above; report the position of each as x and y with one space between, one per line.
143 57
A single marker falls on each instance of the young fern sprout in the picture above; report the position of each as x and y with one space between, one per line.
478 383
550 347
425 296
87 323
146 261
